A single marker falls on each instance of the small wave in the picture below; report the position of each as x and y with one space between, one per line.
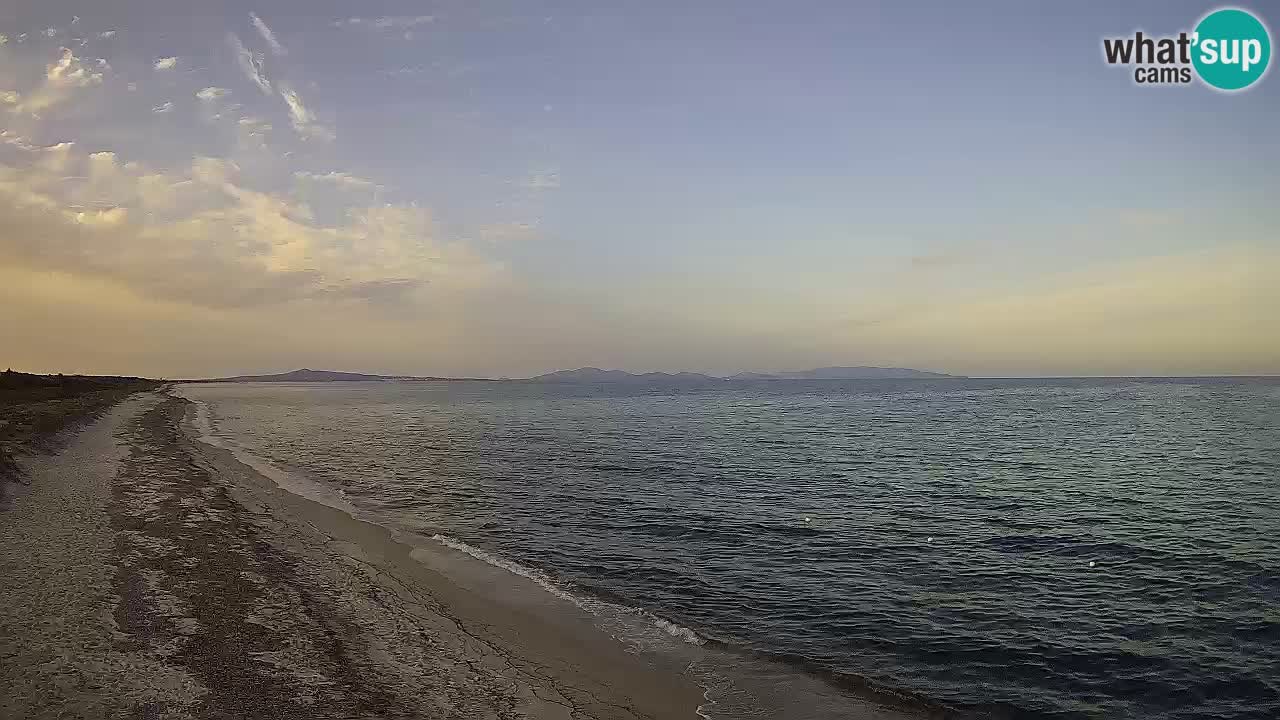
594 606
677 631
541 578
206 427
203 422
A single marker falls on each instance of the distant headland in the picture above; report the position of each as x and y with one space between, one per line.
597 375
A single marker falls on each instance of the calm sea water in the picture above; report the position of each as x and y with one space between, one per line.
1005 548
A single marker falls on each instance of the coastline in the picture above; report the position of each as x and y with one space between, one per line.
188 584
734 682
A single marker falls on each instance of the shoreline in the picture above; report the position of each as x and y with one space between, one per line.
521 619
213 583
734 682
187 584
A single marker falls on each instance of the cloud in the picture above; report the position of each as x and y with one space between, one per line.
542 180
13 139
303 120
388 291
102 165
250 63
254 126
167 63
397 22
506 232
267 35
102 218
210 94
70 72
205 238
57 157
62 78
337 178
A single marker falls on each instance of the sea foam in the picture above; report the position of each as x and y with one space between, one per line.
600 608
206 427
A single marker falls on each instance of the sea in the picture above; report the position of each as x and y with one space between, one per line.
1027 548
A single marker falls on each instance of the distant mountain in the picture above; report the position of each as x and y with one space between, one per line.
303 375
596 375
844 373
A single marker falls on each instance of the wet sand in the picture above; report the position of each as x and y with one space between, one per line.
145 574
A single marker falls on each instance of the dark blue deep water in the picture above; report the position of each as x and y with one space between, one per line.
1004 548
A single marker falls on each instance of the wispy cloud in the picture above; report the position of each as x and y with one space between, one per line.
18 141
267 35
227 239
337 178
254 126
107 217
386 22
210 94
542 180
509 231
250 63
303 120
135 226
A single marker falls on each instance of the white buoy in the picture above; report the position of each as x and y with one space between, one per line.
806 519
929 540
1091 563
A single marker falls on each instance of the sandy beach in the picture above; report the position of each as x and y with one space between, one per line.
145 574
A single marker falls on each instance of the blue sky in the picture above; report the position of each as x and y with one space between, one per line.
510 187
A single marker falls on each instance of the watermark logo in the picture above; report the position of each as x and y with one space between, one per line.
1230 49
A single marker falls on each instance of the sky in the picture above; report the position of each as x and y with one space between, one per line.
489 188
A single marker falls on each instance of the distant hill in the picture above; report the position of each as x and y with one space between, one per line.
844 373
596 375
303 375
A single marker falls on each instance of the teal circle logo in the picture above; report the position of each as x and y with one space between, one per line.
1231 49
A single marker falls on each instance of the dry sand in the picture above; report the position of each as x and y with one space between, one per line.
144 574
